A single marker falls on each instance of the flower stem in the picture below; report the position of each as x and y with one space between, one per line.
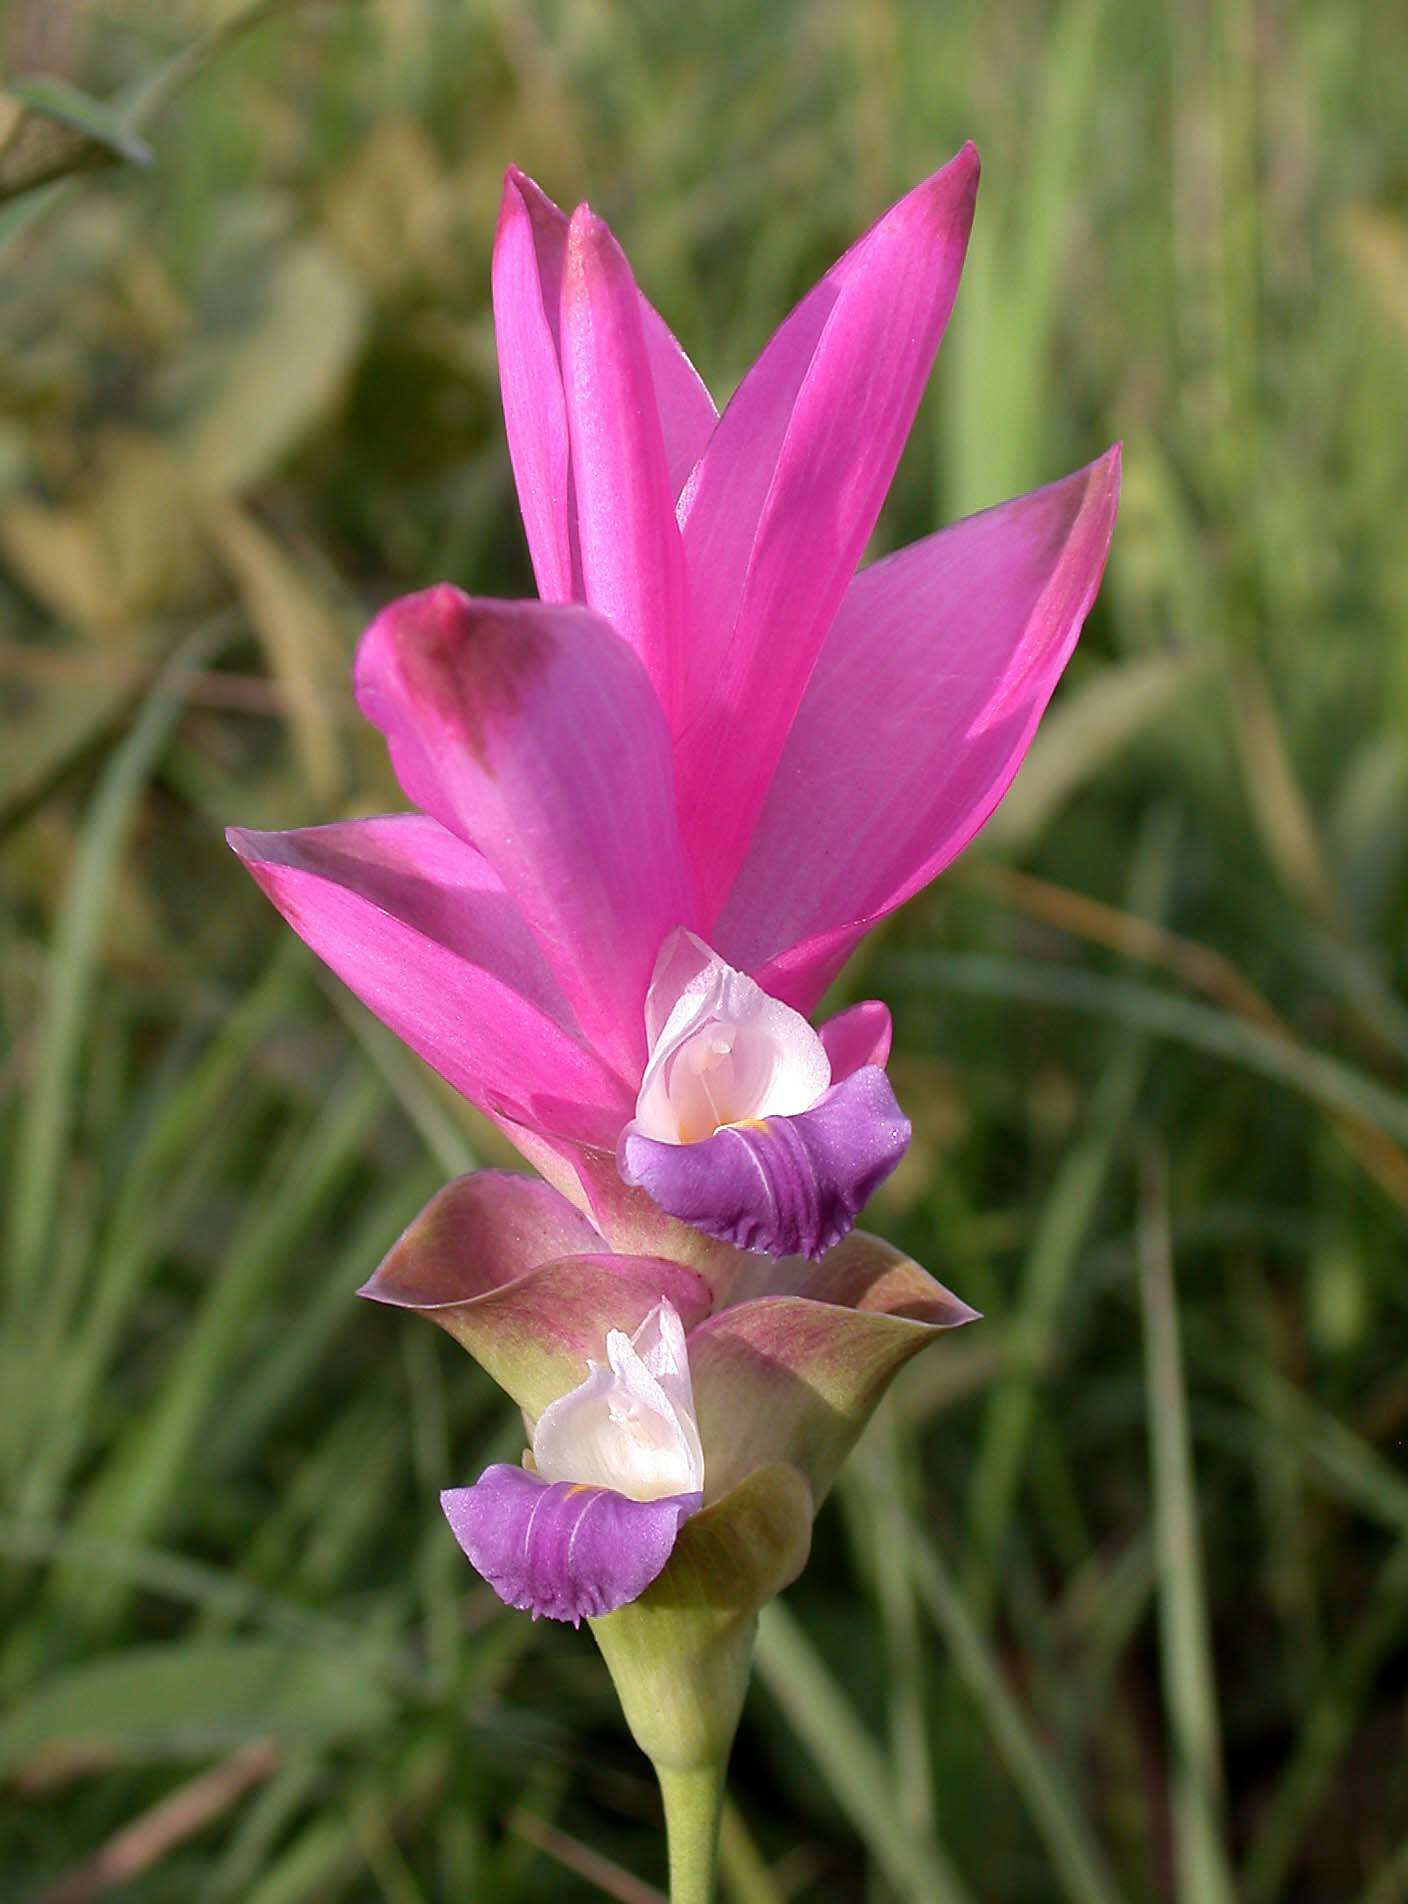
694 1803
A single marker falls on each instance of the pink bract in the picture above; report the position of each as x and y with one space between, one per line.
709 720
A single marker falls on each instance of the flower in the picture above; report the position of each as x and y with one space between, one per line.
646 1398
741 1128
617 1467
655 811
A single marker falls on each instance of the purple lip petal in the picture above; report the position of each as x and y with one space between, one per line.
787 1186
558 1551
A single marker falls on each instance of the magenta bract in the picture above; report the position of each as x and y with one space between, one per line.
709 721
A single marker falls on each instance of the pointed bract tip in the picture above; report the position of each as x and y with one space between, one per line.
513 201
1106 475
524 199
961 172
585 230
524 186
965 168
593 258
940 206
254 849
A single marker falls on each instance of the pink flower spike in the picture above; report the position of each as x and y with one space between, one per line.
660 808
533 731
417 924
529 249
924 701
778 512
631 556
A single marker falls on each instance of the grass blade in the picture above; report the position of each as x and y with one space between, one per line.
1327 1082
851 1762
1075 1856
73 963
1326 1733
1066 1219
1203 1875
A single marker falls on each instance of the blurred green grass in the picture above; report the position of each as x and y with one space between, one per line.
1114 1603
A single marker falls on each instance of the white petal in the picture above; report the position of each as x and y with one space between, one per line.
630 1426
722 1051
681 960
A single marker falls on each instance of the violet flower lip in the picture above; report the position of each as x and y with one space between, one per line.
617 1469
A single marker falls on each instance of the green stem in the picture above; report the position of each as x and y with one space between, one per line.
694 1803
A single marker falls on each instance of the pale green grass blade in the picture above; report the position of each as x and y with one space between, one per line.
1202 1872
999 373
852 1763
441 1572
1067 1217
875 1482
167 1175
326 1309
322 1862
1030 1331
1326 1081
72 967
1334 1457
135 1488
189 1700
92 120
880 1543
1359 984
744 1876
249 1845
218 1596
1055 1811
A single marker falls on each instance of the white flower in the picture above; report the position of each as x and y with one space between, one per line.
630 1426
721 1050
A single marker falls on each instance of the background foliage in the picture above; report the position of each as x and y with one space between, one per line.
1090 1619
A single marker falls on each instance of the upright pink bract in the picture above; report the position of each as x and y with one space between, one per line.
710 724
